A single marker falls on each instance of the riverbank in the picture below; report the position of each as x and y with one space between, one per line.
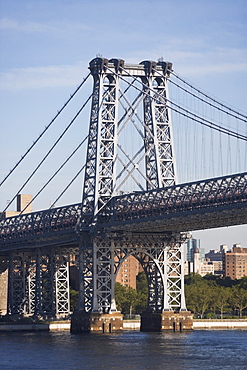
198 324
213 324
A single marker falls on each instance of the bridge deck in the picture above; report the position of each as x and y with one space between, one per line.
193 206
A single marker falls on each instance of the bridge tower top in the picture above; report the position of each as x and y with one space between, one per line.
109 164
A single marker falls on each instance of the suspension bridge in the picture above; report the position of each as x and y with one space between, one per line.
137 200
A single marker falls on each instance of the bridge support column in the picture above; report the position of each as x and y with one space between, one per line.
3 285
21 284
166 320
97 307
38 284
52 283
95 322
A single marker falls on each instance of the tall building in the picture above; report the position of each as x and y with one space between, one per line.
191 245
23 204
128 271
196 262
235 262
198 265
216 256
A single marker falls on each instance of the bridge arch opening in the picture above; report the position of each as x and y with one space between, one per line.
137 260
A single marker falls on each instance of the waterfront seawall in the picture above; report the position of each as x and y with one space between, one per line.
198 324
213 324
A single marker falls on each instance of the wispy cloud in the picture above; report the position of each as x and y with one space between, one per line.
192 57
8 24
12 25
42 77
185 62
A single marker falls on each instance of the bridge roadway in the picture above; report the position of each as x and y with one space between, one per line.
197 205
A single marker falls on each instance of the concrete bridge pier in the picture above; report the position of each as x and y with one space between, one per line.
167 321
95 322
3 285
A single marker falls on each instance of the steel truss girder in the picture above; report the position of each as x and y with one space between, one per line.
43 227
39 283
227 192
58 226
160 257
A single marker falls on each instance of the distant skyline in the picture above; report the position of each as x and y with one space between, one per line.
45 50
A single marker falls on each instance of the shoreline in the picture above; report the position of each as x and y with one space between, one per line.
198 324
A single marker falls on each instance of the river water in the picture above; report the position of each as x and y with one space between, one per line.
200 349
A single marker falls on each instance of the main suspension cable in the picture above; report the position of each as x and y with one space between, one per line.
209 97
45 129
187 113
206 102
56 172
50 150
66 188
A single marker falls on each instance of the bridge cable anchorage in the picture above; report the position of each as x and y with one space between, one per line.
205 101
55 173
207 96
198 119
46 128
49 151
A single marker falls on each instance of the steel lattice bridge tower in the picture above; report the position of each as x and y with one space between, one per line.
114 220
102 254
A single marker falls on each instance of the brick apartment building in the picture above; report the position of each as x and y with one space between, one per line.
235 262
128 271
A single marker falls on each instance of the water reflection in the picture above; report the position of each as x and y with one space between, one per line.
128 350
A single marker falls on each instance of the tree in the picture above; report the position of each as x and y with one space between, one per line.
73 299
120 292
238 299
198 295
242 283
131 300
193 279
141 283
222 298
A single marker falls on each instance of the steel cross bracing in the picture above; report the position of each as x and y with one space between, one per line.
106 228
184 202
199 205
39 283
157 124
100 184
50 227
105 127
161 258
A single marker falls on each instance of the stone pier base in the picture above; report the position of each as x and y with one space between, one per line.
3 291
167 320
95 322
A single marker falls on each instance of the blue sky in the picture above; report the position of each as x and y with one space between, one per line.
46 46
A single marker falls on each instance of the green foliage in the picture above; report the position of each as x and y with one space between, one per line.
243 282
210 294
131 301
74 295
211 315
141 283
126 298
198 297
238 299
